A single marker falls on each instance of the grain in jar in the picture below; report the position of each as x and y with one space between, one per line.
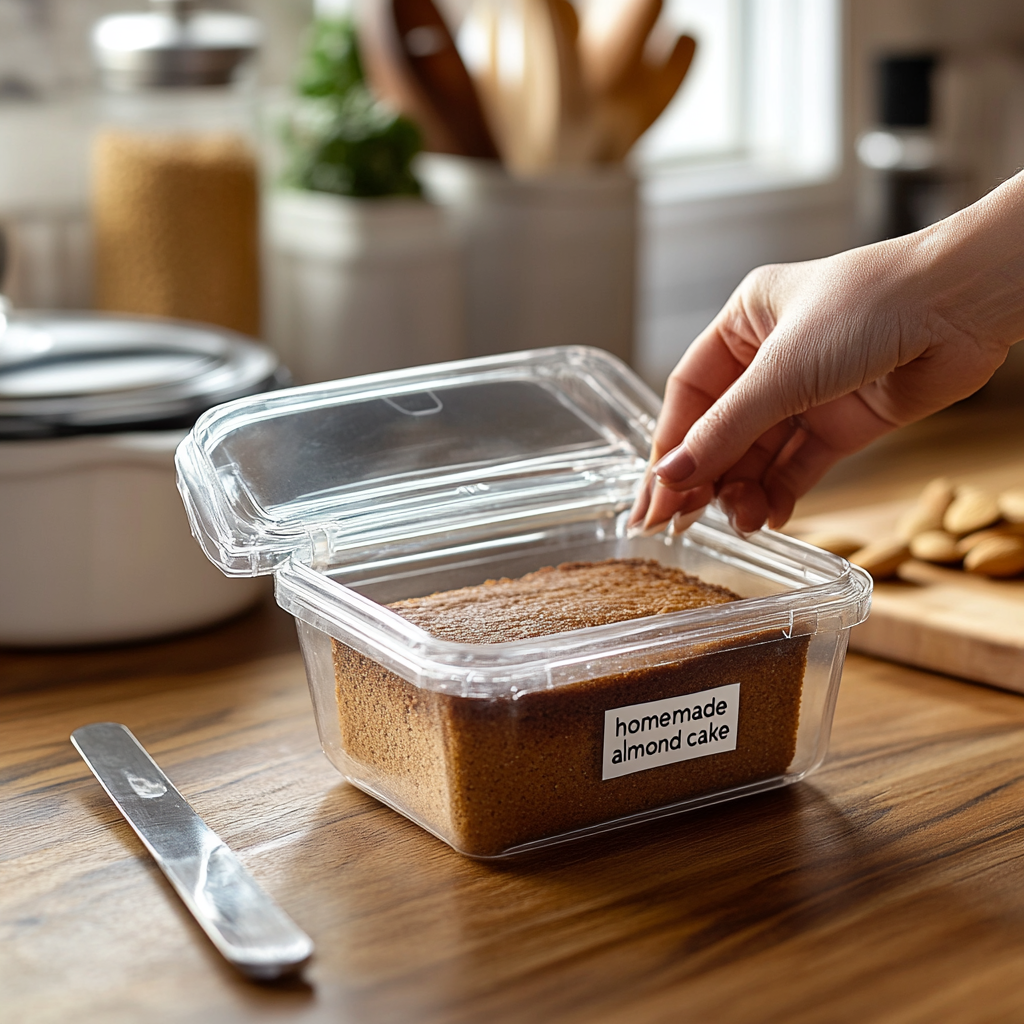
176 226
174 175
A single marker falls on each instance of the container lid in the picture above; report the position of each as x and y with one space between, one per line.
523 439
173 46
77 373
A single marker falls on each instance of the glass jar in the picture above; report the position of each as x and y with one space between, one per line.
175 198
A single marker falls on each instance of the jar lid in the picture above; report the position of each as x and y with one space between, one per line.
173 46
84 373
517 442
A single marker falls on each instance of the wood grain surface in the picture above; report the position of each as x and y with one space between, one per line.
889 888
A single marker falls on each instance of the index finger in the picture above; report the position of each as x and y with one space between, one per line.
708 368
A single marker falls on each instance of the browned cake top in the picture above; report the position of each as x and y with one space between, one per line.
555 599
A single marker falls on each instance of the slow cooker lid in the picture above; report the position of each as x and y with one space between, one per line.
85 373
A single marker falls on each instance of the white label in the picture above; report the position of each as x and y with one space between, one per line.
642 736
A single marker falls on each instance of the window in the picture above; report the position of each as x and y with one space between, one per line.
764 90
706 117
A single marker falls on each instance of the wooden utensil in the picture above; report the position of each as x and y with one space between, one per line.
612 38
562 93
574 135
527 70
412 62
626 111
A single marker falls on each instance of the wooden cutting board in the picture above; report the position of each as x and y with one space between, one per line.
934 617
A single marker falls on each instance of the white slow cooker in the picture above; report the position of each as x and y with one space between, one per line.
94 540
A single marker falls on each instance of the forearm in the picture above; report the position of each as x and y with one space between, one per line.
969 268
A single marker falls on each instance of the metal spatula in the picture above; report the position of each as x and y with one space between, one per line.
242 921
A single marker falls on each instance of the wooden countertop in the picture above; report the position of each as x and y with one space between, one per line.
888 888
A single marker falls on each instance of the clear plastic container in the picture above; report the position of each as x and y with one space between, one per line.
359 493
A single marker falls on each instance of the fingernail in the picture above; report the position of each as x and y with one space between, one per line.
640 506
737 529
633 532
676 467
648 529
682 521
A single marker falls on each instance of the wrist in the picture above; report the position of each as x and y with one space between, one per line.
967 272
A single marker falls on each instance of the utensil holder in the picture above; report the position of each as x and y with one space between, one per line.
549 261
360 285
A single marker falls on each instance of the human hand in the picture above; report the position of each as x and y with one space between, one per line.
810 362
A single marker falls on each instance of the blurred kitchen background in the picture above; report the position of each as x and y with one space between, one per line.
540 174
801 128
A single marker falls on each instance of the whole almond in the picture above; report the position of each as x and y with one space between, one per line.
935 546
882 558
965 544
996 556
837 543
972 509
928 510
1011 504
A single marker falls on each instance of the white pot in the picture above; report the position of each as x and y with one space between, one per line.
549 261
360 285
95 544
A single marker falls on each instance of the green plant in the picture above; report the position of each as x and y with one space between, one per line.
340 138
331 65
